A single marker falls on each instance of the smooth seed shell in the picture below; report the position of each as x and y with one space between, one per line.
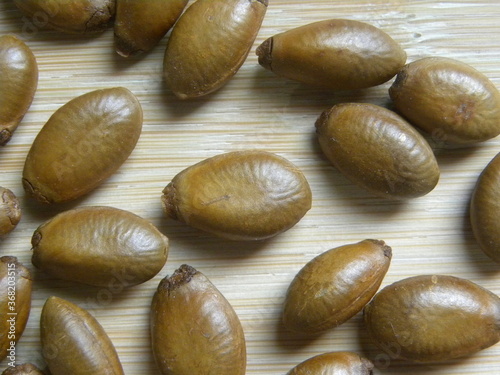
18 83
485 209
334 363
101 246
24 369
73 341
240 195
15 282
449 99
69 16
194 329
209 44
377 150
337 54
433 318
140 25
10 211
83 143
335 286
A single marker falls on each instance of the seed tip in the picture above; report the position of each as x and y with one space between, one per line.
265 53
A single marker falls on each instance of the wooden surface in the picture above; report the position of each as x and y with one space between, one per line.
258 110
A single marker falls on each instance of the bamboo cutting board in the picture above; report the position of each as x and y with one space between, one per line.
258 110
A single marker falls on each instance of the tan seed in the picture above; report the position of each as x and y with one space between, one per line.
333 363
10 211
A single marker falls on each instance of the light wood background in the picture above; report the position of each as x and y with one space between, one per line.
258 110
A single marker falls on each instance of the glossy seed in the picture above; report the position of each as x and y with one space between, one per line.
73 341
10 211
433 318
241 195
18 83
209 44
485 209
101 246
337 54
68 16
24 369
334 286
140 25
83 143
377 150
333 363
194 329
15 304
449 99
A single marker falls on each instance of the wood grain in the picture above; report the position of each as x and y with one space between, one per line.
258 110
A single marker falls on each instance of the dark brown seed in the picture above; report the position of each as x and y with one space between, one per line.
485 209
334 363
194 329
337 54
433 318
377 150
10 211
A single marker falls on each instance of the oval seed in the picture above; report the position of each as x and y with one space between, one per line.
377 150
10 211
83 143
24 369
334 286
15 280
337 54
18 83
209 44
449 99
242 195
347 363
69 16
139 25
485 209
73 341
434 318
101 246
194 329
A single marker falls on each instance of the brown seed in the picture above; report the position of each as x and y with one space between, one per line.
15 304
140 25
83 143
209 44
101 246
347 363
433 318
194 329
18 83
69 16
449 99
377 150
485 209
334 286
73 341
24 369
10 211
337 54
241 195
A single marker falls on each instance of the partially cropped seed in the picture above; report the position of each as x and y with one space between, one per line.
337 54
485 209
209 44
69 16
194 329
10 211
242 195
333 363
434 318
18 83
73 341
101 246
449 99
83 143
335 286
140 25
15 303
377 150
24 369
